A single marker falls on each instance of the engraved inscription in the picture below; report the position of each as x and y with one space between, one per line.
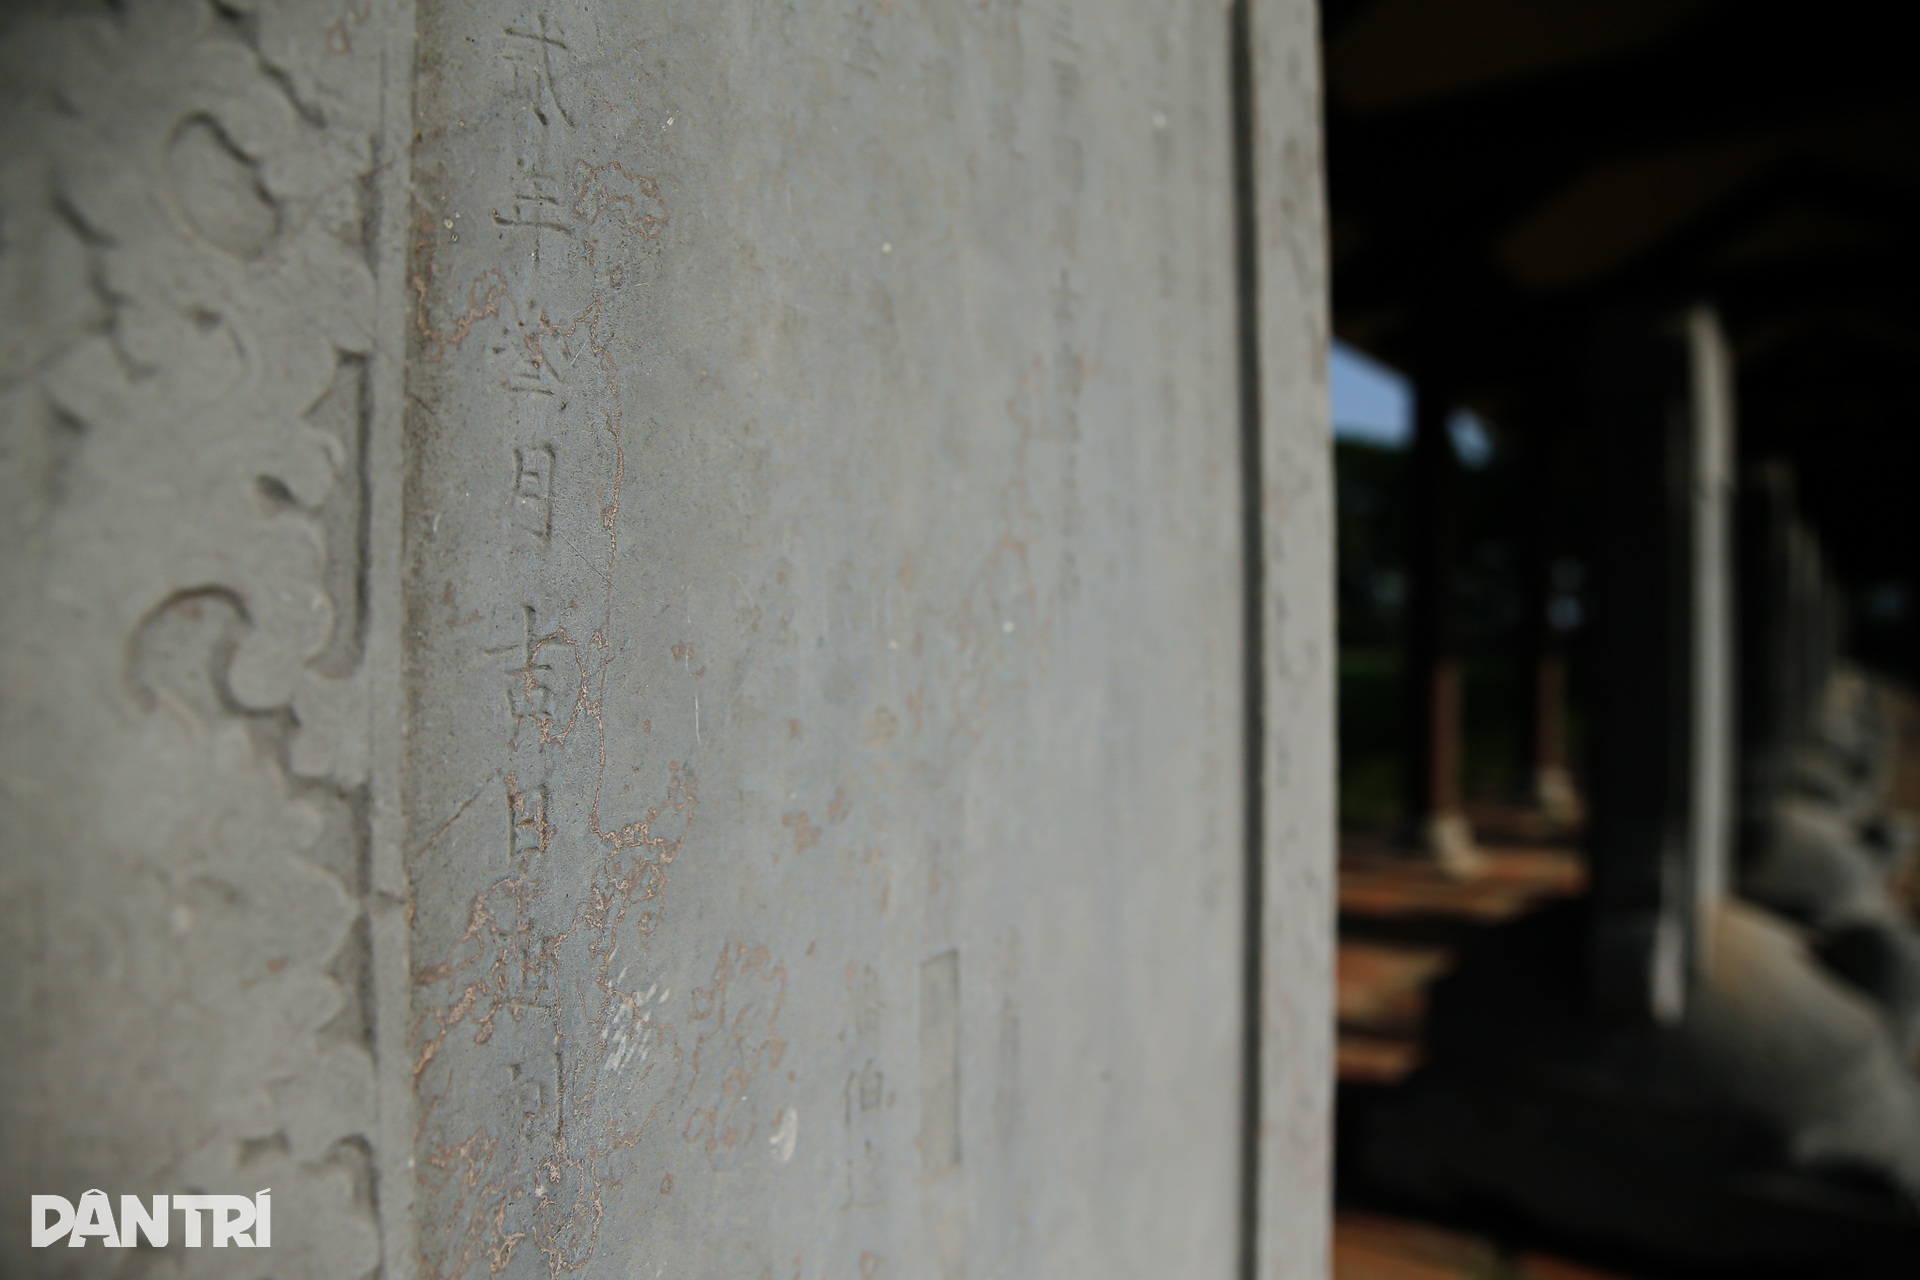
532 49
535 203
533 489
528 676
528 831
556 951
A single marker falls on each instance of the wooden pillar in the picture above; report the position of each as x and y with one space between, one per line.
1542 778
1436 821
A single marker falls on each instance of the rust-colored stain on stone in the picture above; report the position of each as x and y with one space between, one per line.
805 834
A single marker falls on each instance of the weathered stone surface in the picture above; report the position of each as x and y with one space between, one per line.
1295 532
824 587
191 204
624 646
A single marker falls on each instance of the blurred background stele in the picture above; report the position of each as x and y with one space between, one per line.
1629 753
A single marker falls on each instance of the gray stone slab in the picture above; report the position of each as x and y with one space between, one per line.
1294 1155
624 646
824 592
197 412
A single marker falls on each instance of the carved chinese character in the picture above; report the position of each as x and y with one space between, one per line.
532 48
533 489
527 813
